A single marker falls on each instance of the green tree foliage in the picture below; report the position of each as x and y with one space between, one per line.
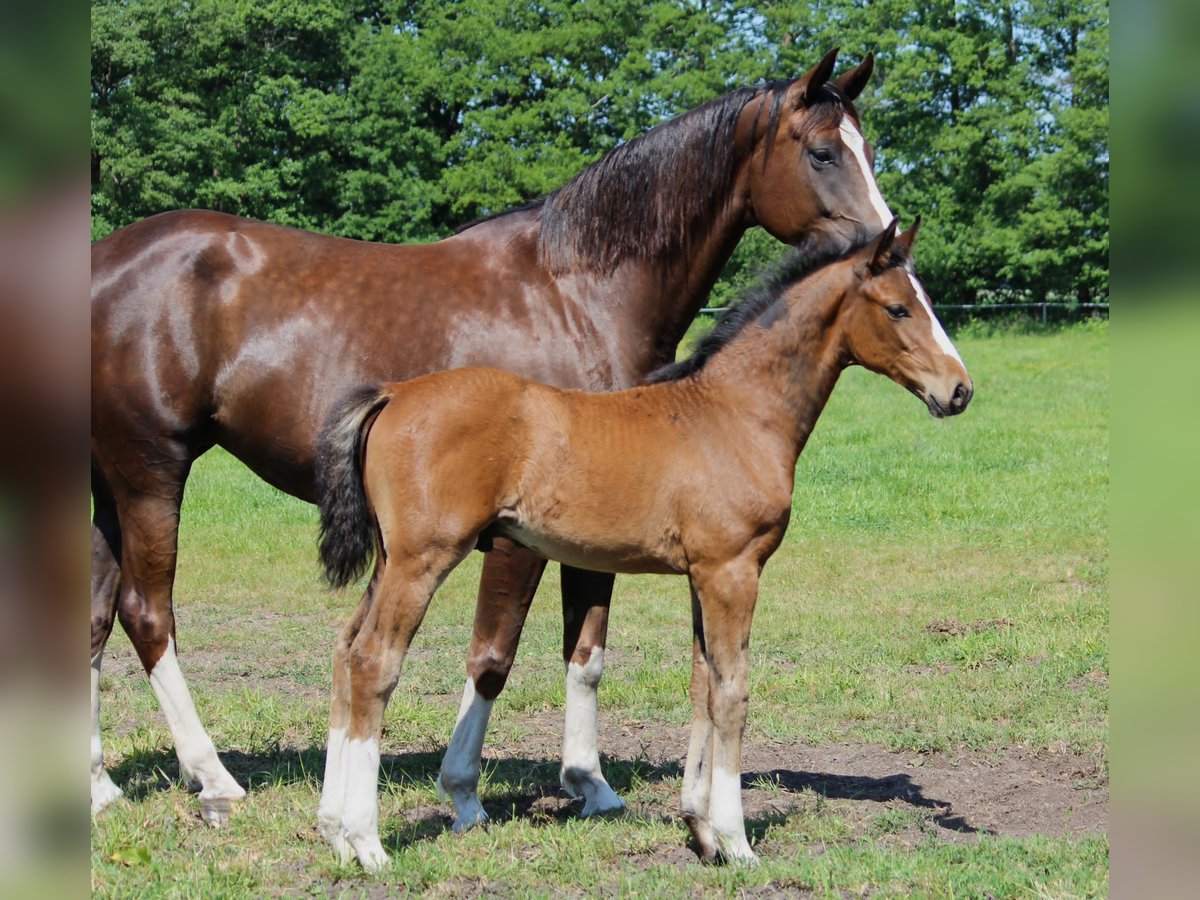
399 121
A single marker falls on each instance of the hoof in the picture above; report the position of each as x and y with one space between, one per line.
372 856
104 792
217 811
610 805
468 811
335 837
467 822
598 797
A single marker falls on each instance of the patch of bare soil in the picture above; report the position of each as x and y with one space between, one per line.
957 796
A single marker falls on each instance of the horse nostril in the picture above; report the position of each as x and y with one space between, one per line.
961 397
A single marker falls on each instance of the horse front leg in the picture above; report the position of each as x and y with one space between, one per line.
727 594
585 598
510 579
149 536
106 580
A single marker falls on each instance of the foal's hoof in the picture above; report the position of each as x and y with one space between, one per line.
603 805
372 856
217 811
104 793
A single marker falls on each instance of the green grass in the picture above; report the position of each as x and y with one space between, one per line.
993 524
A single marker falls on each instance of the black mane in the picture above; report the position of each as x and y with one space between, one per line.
645 197
800 263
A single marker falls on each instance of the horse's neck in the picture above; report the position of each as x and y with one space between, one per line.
659 297
779 377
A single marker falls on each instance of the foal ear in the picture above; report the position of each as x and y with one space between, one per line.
881 250
805 89
853 82
905 239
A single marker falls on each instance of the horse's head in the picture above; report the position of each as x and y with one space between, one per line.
810 168
890 326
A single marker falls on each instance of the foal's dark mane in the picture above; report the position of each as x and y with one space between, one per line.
798 265
644 198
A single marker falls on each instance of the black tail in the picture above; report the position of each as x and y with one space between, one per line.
347 523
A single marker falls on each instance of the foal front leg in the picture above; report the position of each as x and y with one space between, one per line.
697 773
727 595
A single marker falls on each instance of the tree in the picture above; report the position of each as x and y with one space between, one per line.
399 121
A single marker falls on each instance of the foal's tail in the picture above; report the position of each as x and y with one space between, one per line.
347 523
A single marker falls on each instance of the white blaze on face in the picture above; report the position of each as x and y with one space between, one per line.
853 140
939 333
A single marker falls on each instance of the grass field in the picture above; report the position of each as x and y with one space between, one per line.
936 619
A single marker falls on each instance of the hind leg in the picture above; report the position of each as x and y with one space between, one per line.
106 576
374 659
510 579
586 597
333 788
149 525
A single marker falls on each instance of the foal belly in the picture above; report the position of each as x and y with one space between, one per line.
598 553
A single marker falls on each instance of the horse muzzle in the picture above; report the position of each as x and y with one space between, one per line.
950 406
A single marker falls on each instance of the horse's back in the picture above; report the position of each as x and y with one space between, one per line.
219 329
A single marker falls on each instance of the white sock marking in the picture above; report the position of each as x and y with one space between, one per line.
725 814
939 333
460 767
197 755
104 791
853 139
333 795
580 757
360 812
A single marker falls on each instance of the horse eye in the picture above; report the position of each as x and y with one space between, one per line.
896 311
821 156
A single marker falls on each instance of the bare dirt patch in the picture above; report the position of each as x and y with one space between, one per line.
957 796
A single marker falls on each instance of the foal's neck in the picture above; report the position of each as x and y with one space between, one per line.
779 373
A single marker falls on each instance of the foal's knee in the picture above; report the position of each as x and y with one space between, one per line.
488 667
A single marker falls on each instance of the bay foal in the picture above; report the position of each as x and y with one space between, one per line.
690 475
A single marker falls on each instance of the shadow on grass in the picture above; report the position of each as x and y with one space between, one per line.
864 787
514 786
518 788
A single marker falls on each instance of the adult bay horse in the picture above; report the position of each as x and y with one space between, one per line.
692 474
209 329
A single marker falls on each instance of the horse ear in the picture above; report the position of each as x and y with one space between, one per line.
805 89
853 82
905 239
881 250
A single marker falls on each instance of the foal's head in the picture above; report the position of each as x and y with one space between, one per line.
890 328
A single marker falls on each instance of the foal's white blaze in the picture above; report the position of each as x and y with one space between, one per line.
581 773
104 791
939 333
197 755
360 810
459 777
853 139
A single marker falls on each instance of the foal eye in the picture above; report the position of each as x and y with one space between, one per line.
896 311
821 156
